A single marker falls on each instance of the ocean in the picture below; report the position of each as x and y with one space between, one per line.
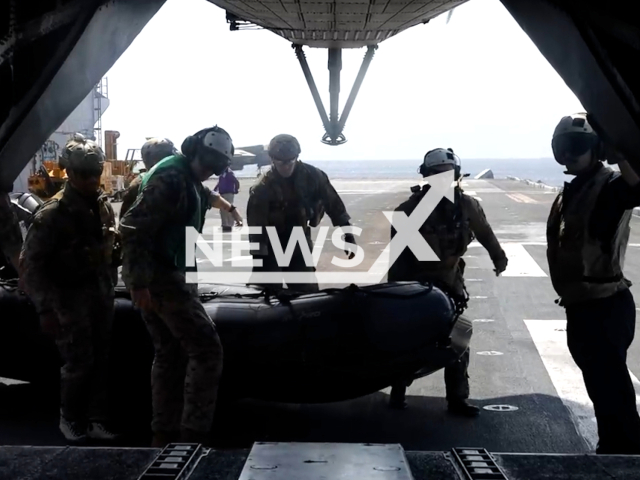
544 170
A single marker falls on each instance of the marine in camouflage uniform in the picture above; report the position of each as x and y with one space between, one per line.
69 269
188 359
448 231
10 233
153 150
292 194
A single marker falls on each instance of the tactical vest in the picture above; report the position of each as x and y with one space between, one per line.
87 250
294 202
582 267
172 239
447 230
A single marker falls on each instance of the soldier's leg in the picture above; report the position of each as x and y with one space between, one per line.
398 399
167 381
101 316
186 318
599 332
456 379
75 345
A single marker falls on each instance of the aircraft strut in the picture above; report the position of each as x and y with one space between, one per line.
334 124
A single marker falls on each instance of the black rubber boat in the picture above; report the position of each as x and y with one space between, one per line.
329 346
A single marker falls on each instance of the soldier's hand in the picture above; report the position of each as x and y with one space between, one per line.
237 217
141 298
501 265
49 323
349 238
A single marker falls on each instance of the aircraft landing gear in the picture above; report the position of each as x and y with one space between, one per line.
332 124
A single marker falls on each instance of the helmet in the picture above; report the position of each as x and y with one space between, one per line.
81 153
155 149
440 156
575 136
284 148
214 138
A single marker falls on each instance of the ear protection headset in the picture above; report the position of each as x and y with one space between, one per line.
440 156
192 142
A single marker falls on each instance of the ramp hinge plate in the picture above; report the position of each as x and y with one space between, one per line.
175 462
477 464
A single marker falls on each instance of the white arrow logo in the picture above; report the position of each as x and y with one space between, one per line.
407 228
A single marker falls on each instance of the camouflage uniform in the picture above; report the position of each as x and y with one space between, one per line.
184 387
284 203
10 234
68 267
130 196
448 231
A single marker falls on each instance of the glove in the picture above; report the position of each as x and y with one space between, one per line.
501 265
349 238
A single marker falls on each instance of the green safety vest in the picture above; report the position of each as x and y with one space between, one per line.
173 236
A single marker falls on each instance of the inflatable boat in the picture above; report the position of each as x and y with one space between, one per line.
333 345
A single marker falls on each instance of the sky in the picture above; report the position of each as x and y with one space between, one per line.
477 84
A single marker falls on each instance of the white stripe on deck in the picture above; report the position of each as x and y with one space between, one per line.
550 339
520 264
521 198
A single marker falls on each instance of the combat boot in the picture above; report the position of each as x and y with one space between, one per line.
463 408
72 431
98 431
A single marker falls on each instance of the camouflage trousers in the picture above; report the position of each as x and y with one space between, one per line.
188 360
86 320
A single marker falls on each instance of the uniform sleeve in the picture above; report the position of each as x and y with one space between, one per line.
482 230
615 198
128 199
38 250
163 200
257 215
333 204
10 233
212 195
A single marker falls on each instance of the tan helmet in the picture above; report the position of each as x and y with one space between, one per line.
81 153
155 149
284 147
574 136
575 123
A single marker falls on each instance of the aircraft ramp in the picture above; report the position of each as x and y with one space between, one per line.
308 461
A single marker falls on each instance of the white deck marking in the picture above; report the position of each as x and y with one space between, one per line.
550 339
521 198
521 264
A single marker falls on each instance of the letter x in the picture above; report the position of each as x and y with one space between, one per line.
407 227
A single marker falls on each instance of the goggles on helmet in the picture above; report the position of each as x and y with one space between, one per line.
572 145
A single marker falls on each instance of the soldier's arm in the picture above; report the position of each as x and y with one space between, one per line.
333 204
162 200
257 216
38 251
482 230
10 234
128 199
